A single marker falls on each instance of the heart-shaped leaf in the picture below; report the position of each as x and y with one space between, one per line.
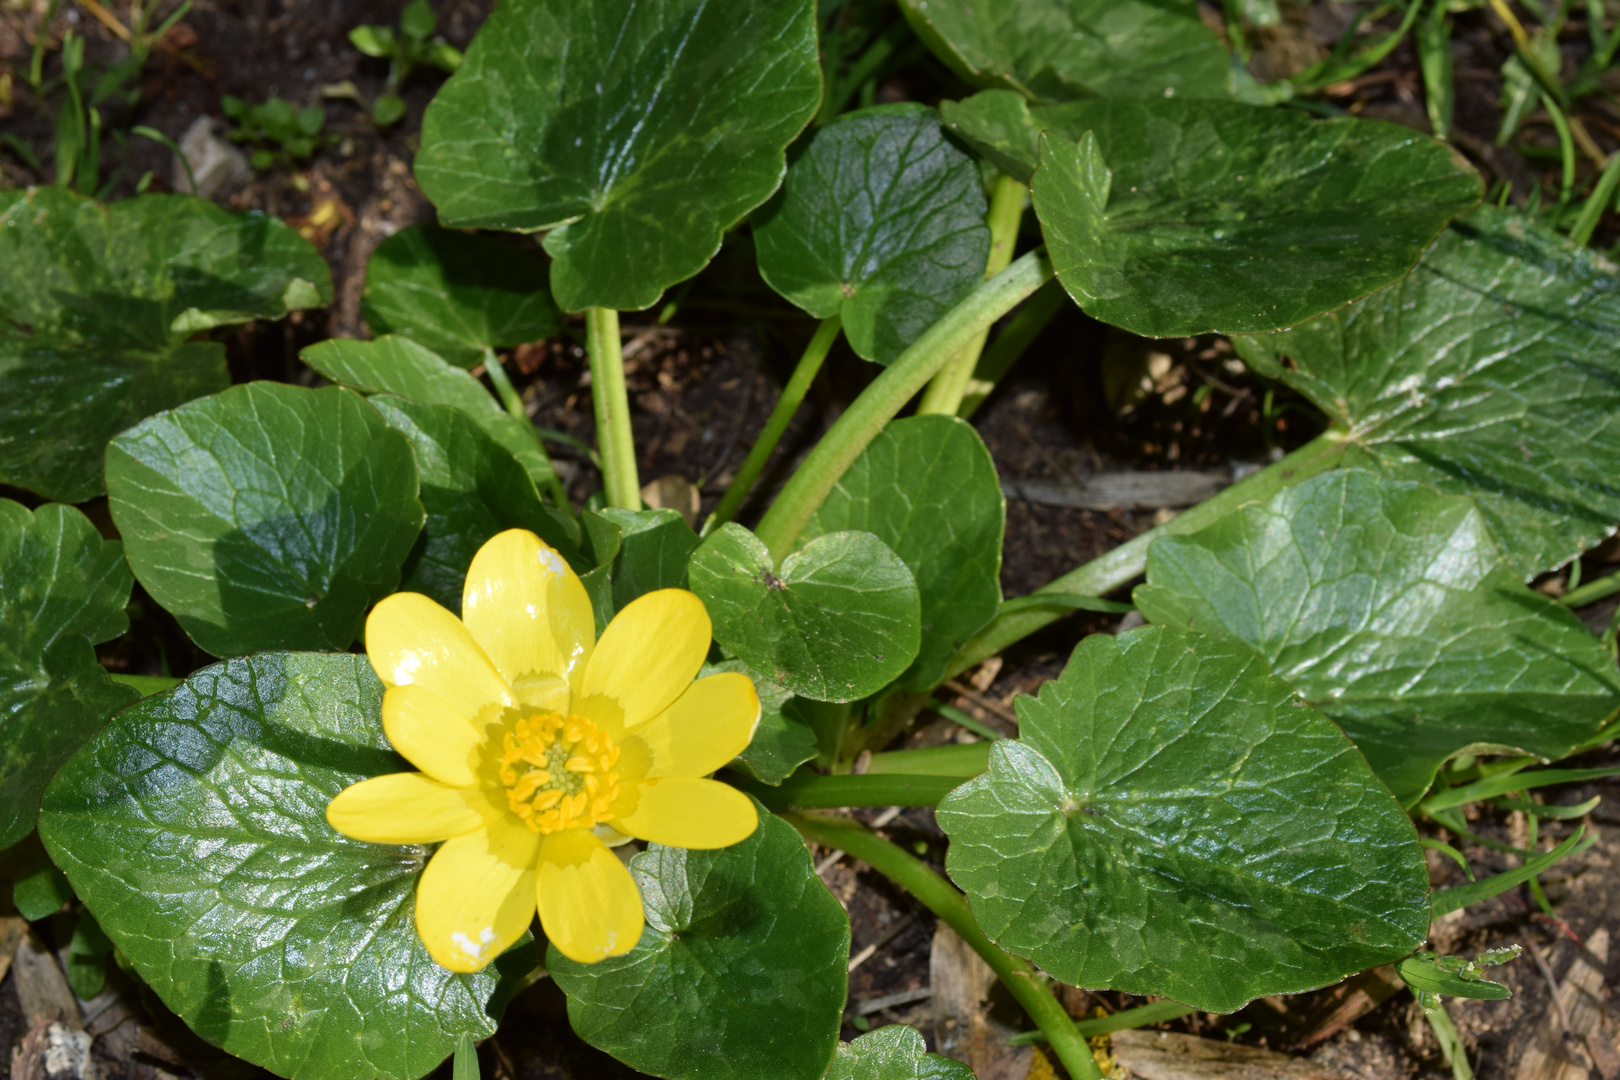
266 516
194 828
457 293
397 365
1387 606
648 550
782 740
880 220
1231 217
1173 820
471 489
895 1052
927 487
1059 50
637 133
98 304
62 589
840 621
1492 370
741 971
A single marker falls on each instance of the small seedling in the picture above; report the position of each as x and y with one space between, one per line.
279 133
414 46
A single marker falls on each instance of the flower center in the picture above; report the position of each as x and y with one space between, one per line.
559 773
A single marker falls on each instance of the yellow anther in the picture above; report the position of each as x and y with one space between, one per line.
569 782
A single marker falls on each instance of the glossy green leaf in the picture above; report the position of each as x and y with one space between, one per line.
194 828
1238 218
997 125
267 516
644 550
927 487
637 133
1059 50
1493 370
881 220
841 620
1173 820
62 589
457 293
783 740
1387 606
471 489
896 1052
98 304
740 972
397 365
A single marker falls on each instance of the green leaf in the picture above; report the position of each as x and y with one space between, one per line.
194 828
1232 217
1387 606
999 126
471 489
896 1052
1426 975
377 41
1492 370
646 550
740 972
62 589
267 516
397 365
881 220
1154 827
42 892
783 740
417 19
457 293
840 621
1060 50
99 302
637 133
387 109
927 487
1445 901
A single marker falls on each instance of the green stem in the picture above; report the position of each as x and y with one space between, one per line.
942 898
792 395
953 759
620 485
514 408
1591 592
1118 566
888 394
1019 334
806 790
944 394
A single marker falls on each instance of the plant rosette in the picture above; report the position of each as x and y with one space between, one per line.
540 748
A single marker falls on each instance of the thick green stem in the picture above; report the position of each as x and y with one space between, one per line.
944 394
1019 334
1117 567
1591 592
953 759
888 394
620 485
806 790
514 407
792 395
942 898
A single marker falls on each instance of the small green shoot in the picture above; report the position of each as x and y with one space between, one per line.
413 47
279 133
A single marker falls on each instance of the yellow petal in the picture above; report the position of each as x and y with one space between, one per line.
530 613
590 907
401 808
682 812
476 896
411 641
431 735
649 654
706 727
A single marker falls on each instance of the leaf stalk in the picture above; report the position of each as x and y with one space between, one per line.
611 402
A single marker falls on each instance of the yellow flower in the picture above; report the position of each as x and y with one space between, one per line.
539 747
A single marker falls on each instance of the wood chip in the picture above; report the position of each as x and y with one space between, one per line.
1166 1055
42 989
1122 490
963 1027
1349 1002
13 928
1550 1054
